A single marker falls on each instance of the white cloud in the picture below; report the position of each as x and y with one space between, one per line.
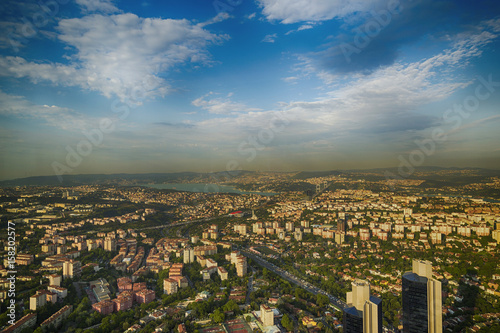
376 110
301 28
290 79
270 38
56 116
464 48
220 105
103 6
122 55
292 11
305 27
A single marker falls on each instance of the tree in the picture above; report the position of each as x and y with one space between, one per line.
217 316
322 300
265 273
231 306
287 322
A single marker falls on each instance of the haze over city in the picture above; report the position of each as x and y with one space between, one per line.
161 86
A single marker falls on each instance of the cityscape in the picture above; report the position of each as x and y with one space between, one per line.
241 166
336 253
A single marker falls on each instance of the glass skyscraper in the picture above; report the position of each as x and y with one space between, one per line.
422 303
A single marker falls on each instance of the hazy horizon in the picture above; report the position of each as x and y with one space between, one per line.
255 171
106 87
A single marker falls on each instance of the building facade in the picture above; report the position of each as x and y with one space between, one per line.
422 300
364 312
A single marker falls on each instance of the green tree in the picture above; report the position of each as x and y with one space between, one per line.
287 322
322 300
217 316
231 306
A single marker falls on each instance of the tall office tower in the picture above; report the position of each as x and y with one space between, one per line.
364 312
422 303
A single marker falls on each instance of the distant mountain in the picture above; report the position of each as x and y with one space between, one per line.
436 177
433 175
121 179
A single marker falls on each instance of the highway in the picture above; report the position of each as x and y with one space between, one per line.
281 272
179 224
292 278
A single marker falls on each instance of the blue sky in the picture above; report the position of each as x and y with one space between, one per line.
99 86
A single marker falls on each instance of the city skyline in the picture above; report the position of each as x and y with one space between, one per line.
92 87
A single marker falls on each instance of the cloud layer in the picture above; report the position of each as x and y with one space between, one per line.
52 115
120 55
292 11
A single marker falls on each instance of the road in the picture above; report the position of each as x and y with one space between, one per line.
180 224
292 278
250 286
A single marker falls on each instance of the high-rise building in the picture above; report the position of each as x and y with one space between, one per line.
241 266
55 280
342 223
339 238
222 273
422 302
109 244
188 255
71 268
38 300
266 315
364 312
240 228
170 286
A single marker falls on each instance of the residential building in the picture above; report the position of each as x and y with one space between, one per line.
55 280
109 244
57 318
28 321
145 296
266 315
170 286
38 300
71 269
188 255
222 273
104 307
241 266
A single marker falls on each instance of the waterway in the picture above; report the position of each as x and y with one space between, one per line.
202 188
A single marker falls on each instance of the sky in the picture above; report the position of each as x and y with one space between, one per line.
101 86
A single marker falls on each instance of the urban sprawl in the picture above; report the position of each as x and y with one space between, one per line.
341 255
